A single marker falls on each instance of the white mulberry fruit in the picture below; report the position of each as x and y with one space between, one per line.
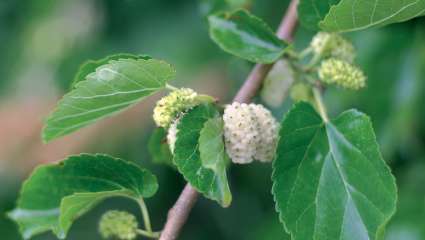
240 132
169 107
344 74
250 132
268 134
333 45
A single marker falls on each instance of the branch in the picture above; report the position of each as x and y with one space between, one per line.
259 72
179 213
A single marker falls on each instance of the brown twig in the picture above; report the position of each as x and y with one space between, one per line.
179 213
260 71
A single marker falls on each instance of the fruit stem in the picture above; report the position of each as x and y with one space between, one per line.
148 234
145 213
320 105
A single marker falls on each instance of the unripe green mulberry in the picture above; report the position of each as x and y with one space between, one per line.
301 92
346 75
268 134
118 224
333 45
322 43
250 132
240 132
170 106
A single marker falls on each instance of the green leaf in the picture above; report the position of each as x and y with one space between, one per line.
354 15
329 179
158 147
204 175
244 35
110 89
90 65
57 194
214 157
311 12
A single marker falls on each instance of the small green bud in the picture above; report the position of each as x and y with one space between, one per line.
333 45
118 224
301 92
344 74
169 107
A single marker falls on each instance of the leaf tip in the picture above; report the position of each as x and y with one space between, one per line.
227 201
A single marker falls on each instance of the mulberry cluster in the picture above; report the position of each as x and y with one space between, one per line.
169 107
346 75
333 45
250 132
118 224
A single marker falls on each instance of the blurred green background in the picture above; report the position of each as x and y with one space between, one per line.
44 41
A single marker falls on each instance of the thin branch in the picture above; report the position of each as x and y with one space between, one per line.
179 213
253 82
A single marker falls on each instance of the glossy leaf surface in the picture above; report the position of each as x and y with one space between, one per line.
244 35
206 175
57 194
354 15
214 157
311 12
329 179
90 65
110 89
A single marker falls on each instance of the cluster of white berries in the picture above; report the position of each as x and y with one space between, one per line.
341 73
169 107
118 224
250 132
333 45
